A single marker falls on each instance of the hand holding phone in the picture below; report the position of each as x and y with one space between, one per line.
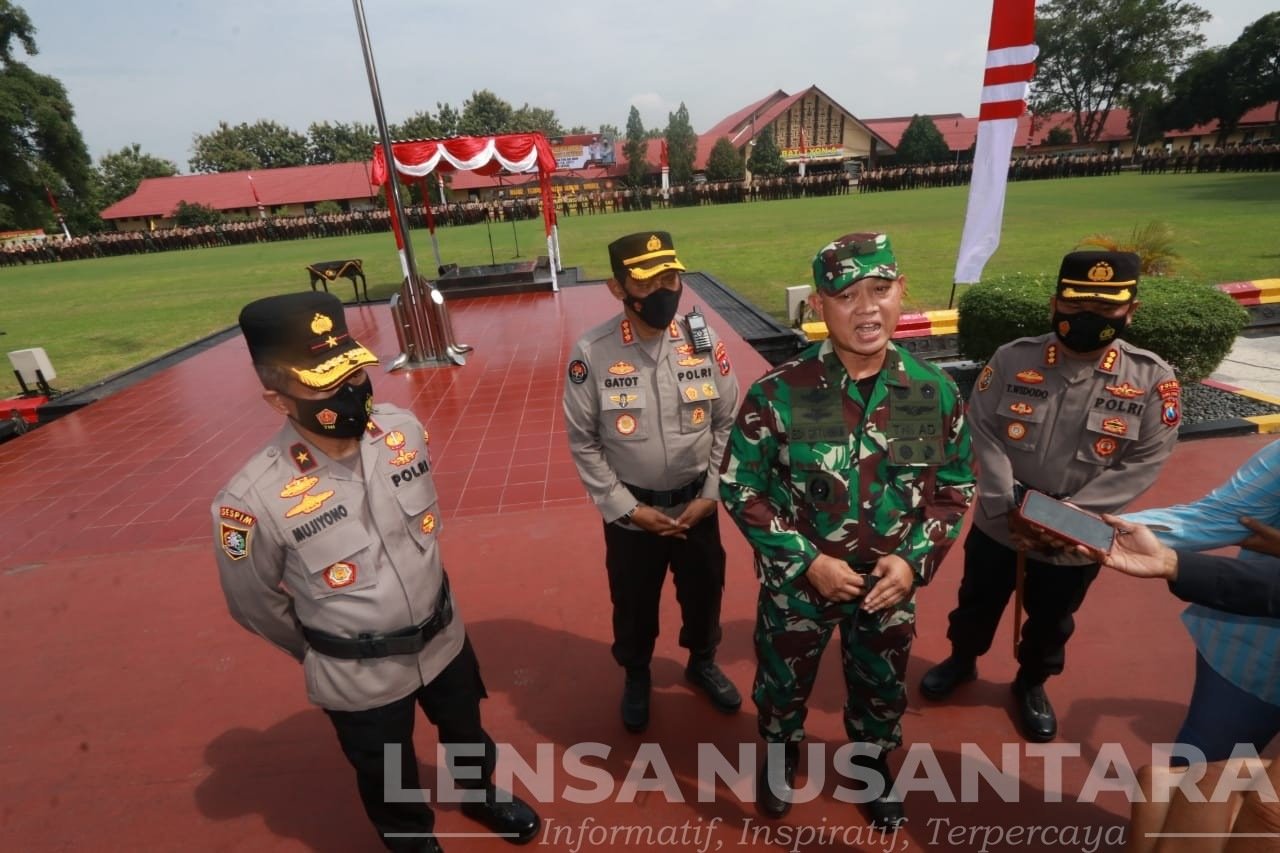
1064 522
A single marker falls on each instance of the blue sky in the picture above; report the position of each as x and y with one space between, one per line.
158 72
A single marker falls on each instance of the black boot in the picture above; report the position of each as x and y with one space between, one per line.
635 700
703 673
1035 715
886 811
938 682
774 784
505 815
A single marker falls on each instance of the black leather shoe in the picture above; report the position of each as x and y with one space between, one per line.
635 703
1035 714
705 675
429 845
886 811
939 682
506 815
774 784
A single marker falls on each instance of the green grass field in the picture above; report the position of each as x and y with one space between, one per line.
98 317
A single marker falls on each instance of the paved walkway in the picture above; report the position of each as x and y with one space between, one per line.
1254 363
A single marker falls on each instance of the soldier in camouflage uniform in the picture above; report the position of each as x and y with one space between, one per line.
848 470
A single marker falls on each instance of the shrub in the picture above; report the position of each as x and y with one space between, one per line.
1189 324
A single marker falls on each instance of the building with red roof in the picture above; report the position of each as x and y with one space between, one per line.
292 191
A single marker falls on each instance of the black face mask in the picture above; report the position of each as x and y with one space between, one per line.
1087 331
343 414
657 309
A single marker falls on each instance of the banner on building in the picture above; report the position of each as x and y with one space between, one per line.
580 150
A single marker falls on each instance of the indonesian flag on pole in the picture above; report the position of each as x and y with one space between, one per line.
663 160
254 189
1011 54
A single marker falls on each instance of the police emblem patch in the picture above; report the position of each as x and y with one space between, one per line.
1170 413
1105 446
394 439
429 523
699 416
577 371
626 424
340 574
984 378
1016 431
234 540
722 358
327 417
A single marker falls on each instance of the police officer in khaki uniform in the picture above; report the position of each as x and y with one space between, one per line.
1077 414
327 549
648 406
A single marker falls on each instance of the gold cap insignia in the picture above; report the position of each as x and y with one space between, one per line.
321 324
1101 271
654 243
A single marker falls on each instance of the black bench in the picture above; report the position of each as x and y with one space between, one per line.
327 271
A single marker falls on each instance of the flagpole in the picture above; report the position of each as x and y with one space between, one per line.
428 324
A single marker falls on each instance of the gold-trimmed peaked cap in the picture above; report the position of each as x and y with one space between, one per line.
306 334
1102 276
643 255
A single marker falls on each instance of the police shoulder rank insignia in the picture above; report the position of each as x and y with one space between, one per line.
234 532
984 378
1030 377
722 358
628 336
372 429
1051 354
577 371
340 574
1109 360
301 456
674 330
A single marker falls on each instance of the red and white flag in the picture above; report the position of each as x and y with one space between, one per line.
254 189
1011 54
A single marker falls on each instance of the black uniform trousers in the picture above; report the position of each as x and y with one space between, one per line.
1051 595
452 703
637 564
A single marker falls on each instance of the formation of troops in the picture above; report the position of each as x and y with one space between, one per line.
1253 157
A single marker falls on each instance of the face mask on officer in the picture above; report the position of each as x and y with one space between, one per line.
1087 331
658 309
343 414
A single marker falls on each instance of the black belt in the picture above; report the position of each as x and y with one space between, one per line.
406 641
674 497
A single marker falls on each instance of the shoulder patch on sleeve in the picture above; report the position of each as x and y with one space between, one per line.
578 371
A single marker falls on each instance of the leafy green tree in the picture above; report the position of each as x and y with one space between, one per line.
485 113
1207 89
766 160
527 119
922 142
120 172
420 125
1145 114
1058 136
261 145
635 149
41 149
1257 56
609 130
1096 54
340 142
192 214
682 145
725 162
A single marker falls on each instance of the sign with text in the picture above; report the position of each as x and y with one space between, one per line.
581 150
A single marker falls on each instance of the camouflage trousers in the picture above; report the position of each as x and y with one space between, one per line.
792 630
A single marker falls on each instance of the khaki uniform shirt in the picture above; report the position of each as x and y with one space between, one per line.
305 540
656 424
1092 432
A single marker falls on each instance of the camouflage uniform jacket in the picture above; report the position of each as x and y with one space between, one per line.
304 540
810 469
1092 432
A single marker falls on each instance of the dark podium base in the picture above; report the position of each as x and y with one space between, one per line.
495 279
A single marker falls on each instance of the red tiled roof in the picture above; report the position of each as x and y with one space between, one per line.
232 190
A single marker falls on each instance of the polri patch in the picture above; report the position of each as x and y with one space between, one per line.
578 371
984 378
1105 446
234 540
1016 431
340 574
